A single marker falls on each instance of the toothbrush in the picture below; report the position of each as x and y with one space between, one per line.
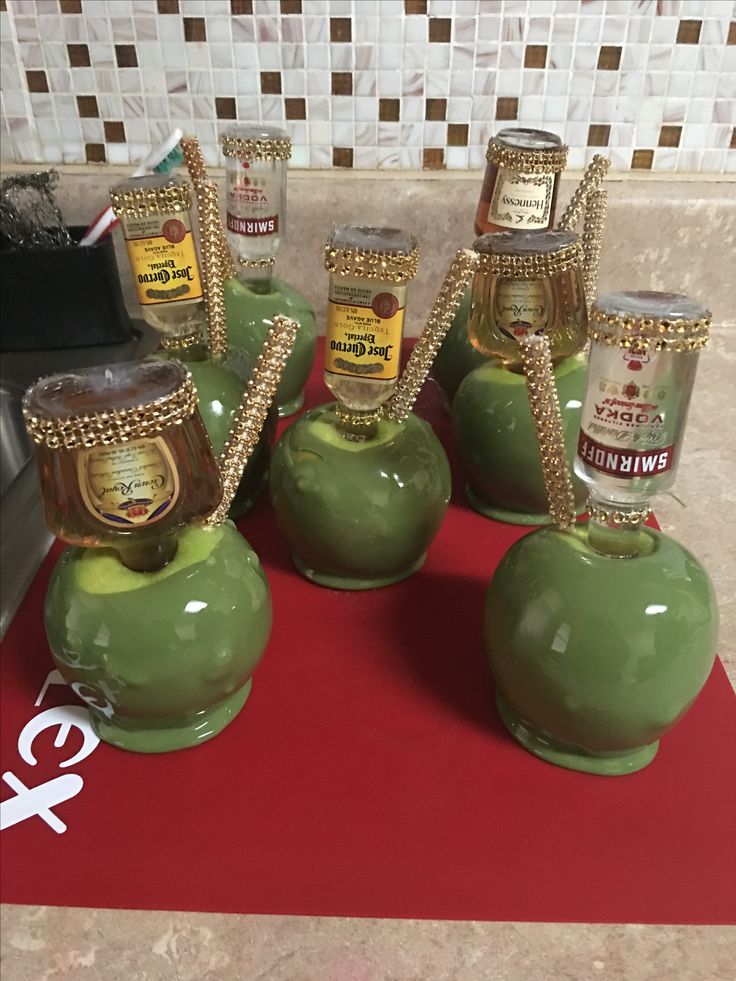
159 161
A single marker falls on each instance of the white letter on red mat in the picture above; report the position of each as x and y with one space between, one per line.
65 716
38 800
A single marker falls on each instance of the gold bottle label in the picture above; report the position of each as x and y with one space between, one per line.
365 323
521 200
521 307
130 484
163 259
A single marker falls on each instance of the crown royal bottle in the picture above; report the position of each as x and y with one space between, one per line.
123 457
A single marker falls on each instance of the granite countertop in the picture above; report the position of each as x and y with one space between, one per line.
51 943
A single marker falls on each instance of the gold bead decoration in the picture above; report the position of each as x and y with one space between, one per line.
552 161
265 148
594 225
535 265
425 350
545 407
181 342
645 333
591 181
266 263
356 426
197 169
137 202
113 426
393 267
209 229
249 420
618 519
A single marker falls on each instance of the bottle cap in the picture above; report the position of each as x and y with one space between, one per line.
528 151
649 319
372 253
108 404
157 194
528 255
256 142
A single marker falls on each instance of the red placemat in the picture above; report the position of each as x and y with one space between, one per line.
368 774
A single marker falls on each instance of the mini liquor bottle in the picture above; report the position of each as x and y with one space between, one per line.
519 189
519 193
601 635
370 269
154 617
359 495
123 457
527 283
643 359
256 159
156 217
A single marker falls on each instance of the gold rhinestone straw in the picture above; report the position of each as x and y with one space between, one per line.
594 224
209 223
245 430
545 406
197 169
445 307
591 181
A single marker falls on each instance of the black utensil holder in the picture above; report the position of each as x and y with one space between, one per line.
61 298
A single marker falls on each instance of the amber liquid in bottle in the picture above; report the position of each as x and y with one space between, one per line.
135 496
525 200
502 310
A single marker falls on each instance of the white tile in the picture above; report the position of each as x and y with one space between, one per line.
365 109
389 57
243 82
489 28
389 84
508 83
294 83
456 157
197 54
365 83
559 56
613 30
532 82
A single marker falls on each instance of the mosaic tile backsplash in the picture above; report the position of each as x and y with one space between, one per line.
390 84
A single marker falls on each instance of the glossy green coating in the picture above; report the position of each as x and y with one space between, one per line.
596 658
220 386
496 443
249 316
163 659
359 515
456 357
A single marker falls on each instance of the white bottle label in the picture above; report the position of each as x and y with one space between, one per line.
627 420
521 200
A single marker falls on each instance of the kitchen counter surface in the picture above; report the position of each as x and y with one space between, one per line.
51 943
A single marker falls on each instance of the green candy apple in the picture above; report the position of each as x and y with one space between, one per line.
359 515
595 658
456 357
163 659
220 387
497 445
249 317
